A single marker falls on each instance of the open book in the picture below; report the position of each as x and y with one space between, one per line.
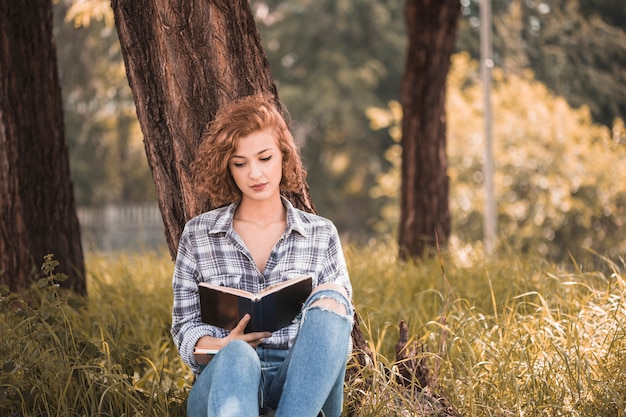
270 310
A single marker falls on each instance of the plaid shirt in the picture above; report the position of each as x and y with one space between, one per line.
211 251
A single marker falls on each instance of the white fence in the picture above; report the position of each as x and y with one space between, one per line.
122 227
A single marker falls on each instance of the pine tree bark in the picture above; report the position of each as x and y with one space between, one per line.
424 212
37 207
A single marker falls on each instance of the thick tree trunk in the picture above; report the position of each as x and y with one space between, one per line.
184 59
37 208
425 215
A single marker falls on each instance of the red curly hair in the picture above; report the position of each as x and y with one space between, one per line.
233 121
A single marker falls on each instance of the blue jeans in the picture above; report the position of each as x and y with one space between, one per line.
302 381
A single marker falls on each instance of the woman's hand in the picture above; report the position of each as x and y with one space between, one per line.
253 339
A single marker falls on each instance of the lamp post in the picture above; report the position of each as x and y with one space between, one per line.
488 169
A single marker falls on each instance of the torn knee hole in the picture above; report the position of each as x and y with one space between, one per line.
330 304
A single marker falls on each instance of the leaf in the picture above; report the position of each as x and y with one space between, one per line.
60 277
42 282
75 302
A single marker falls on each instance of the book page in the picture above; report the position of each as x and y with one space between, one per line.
277 287
255 297
204 351
229 290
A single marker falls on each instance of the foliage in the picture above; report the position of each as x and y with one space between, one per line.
508 336
557 180
576 48
107 157
611 11
83 12
581 58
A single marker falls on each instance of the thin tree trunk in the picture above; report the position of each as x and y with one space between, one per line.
37 207
425 215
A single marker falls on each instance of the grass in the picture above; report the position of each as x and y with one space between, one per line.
500 337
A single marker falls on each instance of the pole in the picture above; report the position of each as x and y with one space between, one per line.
488 170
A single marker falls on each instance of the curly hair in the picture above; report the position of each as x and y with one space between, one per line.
233 121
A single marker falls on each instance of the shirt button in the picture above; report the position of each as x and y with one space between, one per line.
261 280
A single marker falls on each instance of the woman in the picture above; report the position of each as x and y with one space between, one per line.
256 239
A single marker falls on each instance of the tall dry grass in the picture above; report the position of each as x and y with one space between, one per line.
508 336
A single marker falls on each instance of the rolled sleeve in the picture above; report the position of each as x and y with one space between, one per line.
187 326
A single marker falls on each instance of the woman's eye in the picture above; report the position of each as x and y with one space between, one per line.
267 158
238 164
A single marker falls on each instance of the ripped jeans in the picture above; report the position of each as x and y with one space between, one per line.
301 381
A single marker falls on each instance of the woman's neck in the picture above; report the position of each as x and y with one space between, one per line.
261 211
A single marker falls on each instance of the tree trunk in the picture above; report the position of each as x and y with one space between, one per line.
183 60
37 208
425 215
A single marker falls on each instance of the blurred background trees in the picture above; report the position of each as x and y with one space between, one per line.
332 60
336 60
561 190
108 160
576 48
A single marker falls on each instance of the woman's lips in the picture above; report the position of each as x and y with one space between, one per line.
258 187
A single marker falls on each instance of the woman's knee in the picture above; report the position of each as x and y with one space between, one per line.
238 352
331 297
240 349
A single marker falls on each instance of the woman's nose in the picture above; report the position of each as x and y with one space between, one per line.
255 171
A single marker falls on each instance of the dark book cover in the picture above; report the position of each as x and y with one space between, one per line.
271 310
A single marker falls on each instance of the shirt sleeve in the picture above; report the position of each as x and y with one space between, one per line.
335 269
187 326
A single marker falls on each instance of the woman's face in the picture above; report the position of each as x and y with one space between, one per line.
256 166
